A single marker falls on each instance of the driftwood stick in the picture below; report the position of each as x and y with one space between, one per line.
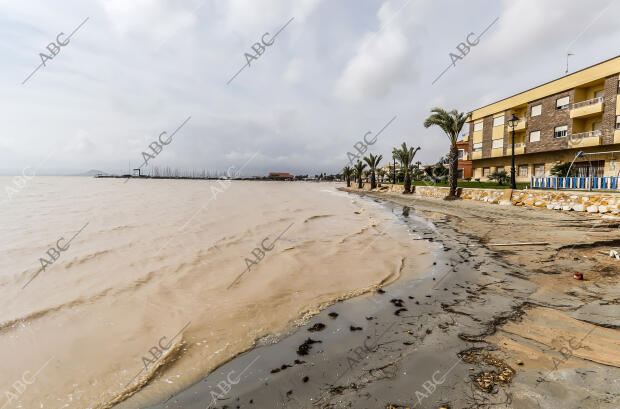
531 243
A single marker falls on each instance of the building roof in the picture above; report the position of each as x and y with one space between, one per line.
583 76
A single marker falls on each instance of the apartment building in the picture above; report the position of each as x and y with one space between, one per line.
576 113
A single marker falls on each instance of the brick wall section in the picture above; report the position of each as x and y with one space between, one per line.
546 122
609 113
471 137
487 133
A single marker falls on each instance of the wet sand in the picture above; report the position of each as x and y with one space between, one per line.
486 327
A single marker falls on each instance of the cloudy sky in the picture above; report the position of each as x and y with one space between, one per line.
340 69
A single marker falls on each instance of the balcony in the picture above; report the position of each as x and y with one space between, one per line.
520 126
583 139
476 155
519 149
587 108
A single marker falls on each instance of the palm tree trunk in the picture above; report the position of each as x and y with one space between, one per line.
407 182
454 165
348 181
359 182
373 182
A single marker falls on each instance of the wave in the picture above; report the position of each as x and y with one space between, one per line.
144 378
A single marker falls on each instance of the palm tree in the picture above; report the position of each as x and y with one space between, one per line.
451 123
381 174
405 156
373 163
359 169
347 172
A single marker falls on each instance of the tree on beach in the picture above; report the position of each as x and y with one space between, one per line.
451 123
347 172
359 169
405 155
373 163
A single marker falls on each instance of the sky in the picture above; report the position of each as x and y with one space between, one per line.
338 70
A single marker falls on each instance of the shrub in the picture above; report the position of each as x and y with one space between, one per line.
501 177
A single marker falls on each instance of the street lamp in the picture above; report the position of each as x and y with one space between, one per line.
394 171
512 122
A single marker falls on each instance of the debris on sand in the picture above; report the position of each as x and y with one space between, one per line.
333 315
306 346
577 275
397 302
317 327
353 328
488 380
398 311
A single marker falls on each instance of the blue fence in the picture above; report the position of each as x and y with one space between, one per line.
581 183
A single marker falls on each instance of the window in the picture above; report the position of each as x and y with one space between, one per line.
478 127
478 147
459 173
486 171
500 169
618 122
560 131
498 143
523 170
539 169
499 121
461 153
536 110
561 103
535 136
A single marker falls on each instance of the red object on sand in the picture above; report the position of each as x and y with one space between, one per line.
578 276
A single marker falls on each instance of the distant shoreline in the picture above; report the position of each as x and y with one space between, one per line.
256 179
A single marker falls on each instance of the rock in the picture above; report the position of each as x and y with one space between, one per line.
550 206
505 203
578 208
603 209
567 207
592 209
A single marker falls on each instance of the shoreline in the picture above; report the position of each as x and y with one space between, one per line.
450 331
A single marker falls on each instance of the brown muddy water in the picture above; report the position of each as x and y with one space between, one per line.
166 280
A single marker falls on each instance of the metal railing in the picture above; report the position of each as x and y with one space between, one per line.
576 183
586 103
588 134
577 138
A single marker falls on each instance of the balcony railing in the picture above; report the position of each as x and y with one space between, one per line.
591 138
592 101
588 134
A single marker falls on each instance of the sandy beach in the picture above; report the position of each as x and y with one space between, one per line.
486 327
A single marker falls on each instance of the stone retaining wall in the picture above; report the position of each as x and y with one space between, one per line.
592 202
